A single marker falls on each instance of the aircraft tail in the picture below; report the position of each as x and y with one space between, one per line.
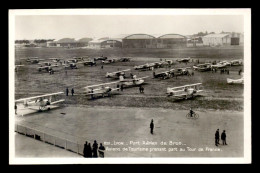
121 78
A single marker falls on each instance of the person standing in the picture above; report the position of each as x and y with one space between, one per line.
89 151
95 147
101 151
85 150
140 88
102 67
151 126
217 137
122 87
67 91
15 108
223 137
72 91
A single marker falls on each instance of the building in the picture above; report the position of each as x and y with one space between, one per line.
105 43
69 42
150 41
171 41
225 38
139 41
216 40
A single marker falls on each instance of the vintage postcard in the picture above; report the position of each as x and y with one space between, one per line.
129 86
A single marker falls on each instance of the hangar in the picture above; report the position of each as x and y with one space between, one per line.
150 41
139 41
105 43
171 41
69 42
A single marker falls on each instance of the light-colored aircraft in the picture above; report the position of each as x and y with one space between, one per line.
184 60
236 62
165 74
148 66
222 64
202 67
116 74
37 103
101 89
132 82
55 59
184 92
235 81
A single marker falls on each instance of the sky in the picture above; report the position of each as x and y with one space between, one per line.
95 26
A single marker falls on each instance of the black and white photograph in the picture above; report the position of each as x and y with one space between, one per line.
92 86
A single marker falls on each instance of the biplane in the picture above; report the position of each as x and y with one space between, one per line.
37 103
202 67
236 62
184 92
89 62
148 66
182 71
100 58
124 59
165 74
109 61
222 64
100 89
184 60
46 66
33 60
132 82
55 59
116 74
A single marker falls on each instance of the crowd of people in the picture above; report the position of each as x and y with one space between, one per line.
94 151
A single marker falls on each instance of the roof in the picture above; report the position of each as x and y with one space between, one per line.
139 36
66 40
172 36
100 41
216 35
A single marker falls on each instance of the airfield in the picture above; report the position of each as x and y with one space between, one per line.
126 115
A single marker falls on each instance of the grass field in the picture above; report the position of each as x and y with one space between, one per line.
217 95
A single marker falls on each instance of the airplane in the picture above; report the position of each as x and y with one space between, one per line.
132 82
182 71
145 67
33 60
124 59
17 67
236 62
116 74
164 75
222 64
89 62
46 66
100 58
55 59
202 67
37 103
184 60
108 61
100 89
184 92
235 81
80 58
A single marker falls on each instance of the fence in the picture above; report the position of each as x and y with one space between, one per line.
76 147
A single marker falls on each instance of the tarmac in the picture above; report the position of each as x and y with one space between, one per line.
125 132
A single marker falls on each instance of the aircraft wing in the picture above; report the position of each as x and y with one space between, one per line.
46 95
62 100
142 77
182 87
101 84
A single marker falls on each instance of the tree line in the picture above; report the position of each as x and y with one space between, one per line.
34 41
